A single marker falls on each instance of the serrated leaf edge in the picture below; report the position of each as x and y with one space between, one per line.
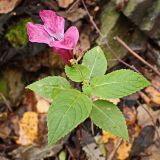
50 143
113 121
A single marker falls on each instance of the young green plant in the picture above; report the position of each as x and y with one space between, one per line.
71 107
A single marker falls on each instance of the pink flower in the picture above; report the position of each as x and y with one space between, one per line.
52 33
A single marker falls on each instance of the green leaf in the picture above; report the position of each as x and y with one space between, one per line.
96 61
50 86
70 108
118 84
86 89
108 117
77 72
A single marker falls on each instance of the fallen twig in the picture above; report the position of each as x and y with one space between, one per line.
6 102
72 6
136 55
70 152
111 156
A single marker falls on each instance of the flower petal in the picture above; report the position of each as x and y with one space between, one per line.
71 37
53 23
65 55
37 33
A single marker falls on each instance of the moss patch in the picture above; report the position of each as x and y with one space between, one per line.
17 33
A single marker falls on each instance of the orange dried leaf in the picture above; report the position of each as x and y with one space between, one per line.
130 115
153 92
123 151
107 136
28 128
146 99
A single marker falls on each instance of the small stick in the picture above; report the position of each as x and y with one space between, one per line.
92 128
111 156
6 102
91 19
136 55
144 97
71 7
70 152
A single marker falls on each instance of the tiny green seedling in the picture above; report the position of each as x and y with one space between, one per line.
71 107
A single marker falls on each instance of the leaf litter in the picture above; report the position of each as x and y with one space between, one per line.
23 130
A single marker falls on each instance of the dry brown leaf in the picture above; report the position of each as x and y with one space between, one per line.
107 136
152 152
8 5
64 3
75 15
146 115
4 131
123 150
134 131
153 92
28 128
84 42
146 99
130 115
3 158
29 101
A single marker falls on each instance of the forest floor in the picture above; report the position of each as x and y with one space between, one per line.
23 129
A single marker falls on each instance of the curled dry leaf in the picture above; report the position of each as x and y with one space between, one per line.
33 152
153 91
64 3
146 116
8 5
107 136
152 152
28 128
5 130
84 42
145 97
124 150
92 146
130 115
75 15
